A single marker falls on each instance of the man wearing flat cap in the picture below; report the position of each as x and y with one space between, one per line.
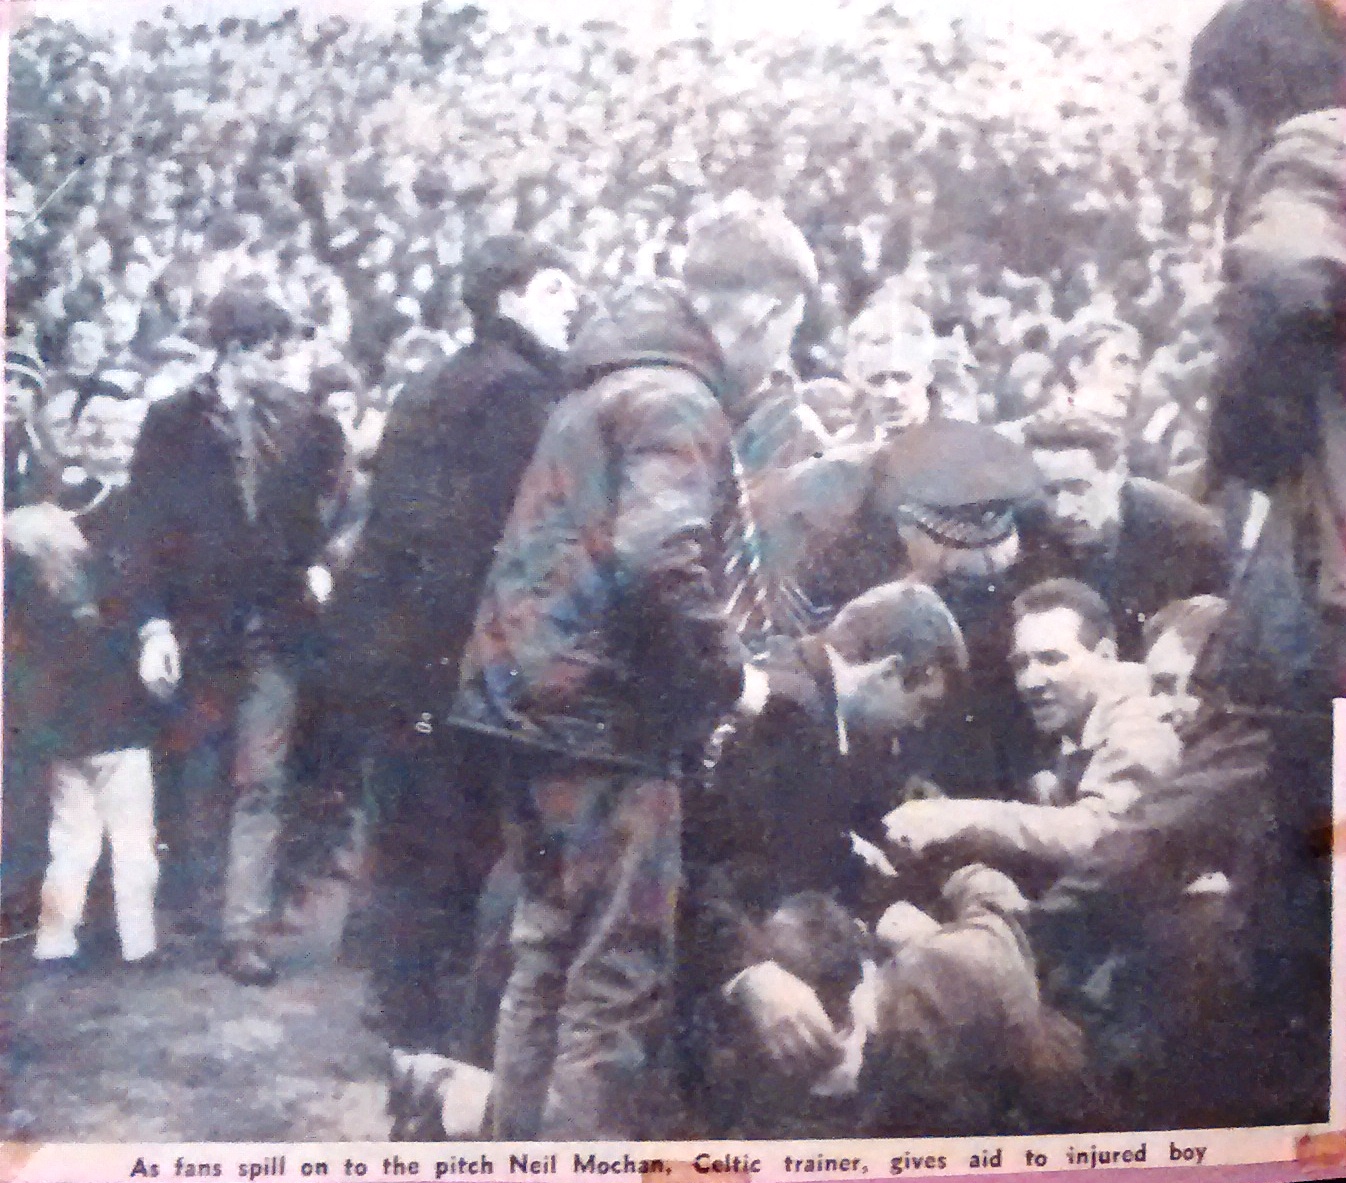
602 656
941 503
226 490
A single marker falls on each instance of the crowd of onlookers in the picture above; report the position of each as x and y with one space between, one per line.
847 721
1022 210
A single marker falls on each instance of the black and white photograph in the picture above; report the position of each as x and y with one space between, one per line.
670 573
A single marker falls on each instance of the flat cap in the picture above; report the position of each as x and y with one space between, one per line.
961 482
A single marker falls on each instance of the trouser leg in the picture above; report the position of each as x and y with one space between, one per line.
620 870
265 724
436 837
75 838
127 801
525 1038
194 795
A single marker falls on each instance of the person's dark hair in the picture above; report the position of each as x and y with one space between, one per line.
1076 429
501 264
903 619
1194 620
1275 58
814 938
338 375
1095 620
245 316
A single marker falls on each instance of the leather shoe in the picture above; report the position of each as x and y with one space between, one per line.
247 964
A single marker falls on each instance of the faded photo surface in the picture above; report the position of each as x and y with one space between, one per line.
586 574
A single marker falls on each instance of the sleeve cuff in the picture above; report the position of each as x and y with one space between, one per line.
756 689
158 627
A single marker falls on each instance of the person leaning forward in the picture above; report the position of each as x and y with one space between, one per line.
603 650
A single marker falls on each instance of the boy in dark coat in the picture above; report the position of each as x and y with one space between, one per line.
454 448
227 492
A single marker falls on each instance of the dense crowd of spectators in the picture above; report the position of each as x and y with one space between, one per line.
1027 188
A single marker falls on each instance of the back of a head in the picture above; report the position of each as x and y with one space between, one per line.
1275 58
903 619
247 315
742 244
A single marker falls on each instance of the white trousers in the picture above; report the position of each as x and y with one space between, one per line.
109 794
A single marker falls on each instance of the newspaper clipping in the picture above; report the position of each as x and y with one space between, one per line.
672 590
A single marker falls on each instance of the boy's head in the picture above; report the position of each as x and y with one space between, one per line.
1174 639
523 281
896 650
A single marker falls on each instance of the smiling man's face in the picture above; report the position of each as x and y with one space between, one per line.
1055 671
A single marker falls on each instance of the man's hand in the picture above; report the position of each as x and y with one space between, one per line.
319 583
920 827
51 538
789 1020
160 662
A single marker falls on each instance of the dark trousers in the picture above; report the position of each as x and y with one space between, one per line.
580 1040
435 836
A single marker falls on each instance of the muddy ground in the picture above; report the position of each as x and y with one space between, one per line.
107 1052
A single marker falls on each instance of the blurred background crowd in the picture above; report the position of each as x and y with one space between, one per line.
1036 192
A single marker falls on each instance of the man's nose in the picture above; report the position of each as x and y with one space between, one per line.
1031 676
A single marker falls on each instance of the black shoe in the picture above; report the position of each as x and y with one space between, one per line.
151 963
58 969
245 962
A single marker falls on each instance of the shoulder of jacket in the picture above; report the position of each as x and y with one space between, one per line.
655 388
1156 505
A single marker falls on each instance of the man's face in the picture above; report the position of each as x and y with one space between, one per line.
1054 671
545 306
123 319
1170 664
1108 383
85 346
754 330
893 366
104 437
19 402
881 698
1084 501
136 280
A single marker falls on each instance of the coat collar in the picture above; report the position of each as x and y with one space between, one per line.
514 337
